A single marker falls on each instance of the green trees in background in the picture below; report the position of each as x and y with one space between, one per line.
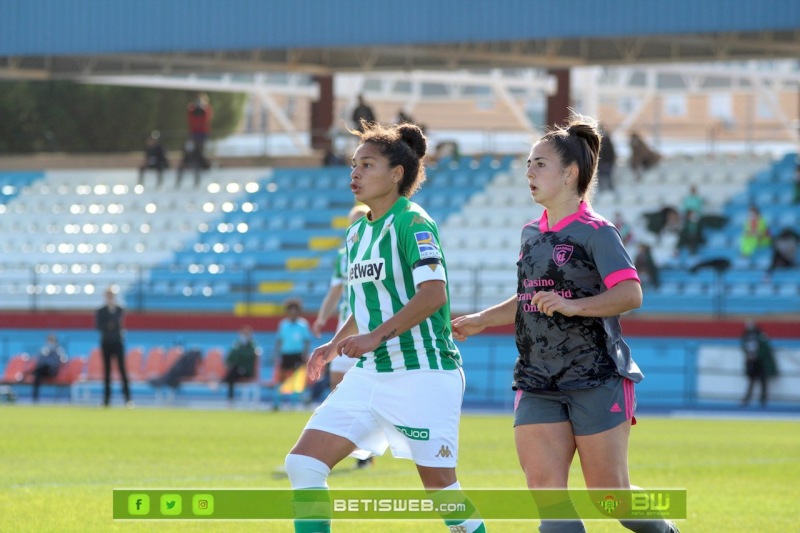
61 116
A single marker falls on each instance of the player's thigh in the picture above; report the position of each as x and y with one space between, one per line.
604 457
545 453
324 446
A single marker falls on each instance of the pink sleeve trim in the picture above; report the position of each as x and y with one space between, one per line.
620 275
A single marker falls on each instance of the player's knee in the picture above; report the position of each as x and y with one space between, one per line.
305 472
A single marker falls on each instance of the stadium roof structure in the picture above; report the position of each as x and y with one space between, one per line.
58 39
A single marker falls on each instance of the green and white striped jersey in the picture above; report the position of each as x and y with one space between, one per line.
340 278
387 260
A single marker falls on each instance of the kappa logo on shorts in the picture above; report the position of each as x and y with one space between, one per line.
444 451
562 253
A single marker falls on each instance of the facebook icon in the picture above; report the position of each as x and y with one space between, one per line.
138 504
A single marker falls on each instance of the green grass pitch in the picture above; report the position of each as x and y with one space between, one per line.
59 464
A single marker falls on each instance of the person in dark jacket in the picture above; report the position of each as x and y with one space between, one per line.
241 359
108 320
48 363
759 362
155 158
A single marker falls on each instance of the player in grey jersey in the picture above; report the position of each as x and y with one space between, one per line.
406 389
574 375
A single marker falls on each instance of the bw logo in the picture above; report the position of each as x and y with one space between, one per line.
444 452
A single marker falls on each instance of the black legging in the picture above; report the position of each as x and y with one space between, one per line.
39 373
234 374
116 350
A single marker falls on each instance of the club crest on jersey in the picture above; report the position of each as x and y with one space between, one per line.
367 271
427 245
562 253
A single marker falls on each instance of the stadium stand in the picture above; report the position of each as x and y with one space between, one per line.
247 239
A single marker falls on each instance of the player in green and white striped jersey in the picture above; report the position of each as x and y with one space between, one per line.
388 259
405 392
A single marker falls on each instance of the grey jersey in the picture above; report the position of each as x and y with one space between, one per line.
580 256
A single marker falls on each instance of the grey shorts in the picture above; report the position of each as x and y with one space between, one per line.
590 411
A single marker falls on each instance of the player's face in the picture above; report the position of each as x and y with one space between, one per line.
372 180
546 175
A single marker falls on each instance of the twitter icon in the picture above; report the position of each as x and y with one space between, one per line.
171 504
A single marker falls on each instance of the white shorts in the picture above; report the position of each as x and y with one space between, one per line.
415 413
342 363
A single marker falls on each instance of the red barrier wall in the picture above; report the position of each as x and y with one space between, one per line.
632 327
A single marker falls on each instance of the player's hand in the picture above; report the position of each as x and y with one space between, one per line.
319 358
356 345
466 326
316 328
550 303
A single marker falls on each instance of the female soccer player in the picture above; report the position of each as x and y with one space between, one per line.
574 376
406 389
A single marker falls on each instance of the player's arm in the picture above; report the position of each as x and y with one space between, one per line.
322 355
430 297
622 297
498 315
328 308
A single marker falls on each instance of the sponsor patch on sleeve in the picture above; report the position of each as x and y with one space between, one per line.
427 245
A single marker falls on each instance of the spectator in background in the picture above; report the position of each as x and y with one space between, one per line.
642 156
48 362
755 234
291 349
693 202
690 237
241 359
154 158
191 159
784 250
797 183
623 228
759 361
362 112
185 367
199 114
108 320
665 220
646 266
403 118
332 159
605 166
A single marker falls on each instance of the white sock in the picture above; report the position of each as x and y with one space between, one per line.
306 472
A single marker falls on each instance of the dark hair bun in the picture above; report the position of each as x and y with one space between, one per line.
413 136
